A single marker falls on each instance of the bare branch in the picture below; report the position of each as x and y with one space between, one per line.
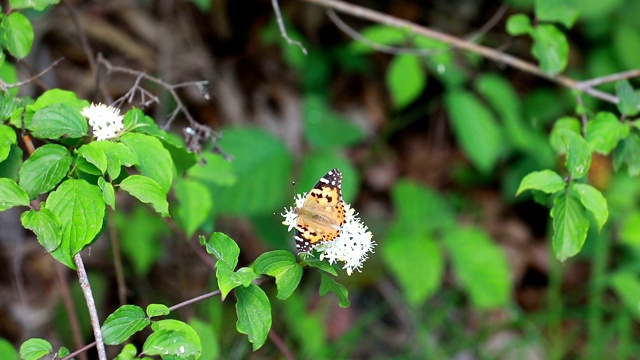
283 30
91 306
609 78
4 86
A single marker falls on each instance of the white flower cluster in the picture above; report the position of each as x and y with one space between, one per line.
106 121
353 244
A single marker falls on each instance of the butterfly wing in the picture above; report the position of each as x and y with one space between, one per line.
323 214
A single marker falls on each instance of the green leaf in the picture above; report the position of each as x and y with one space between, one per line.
35 348
547 181
10 167
244 276
57 96
188 347
624 39
223 248
157 310
551 48
629 104
578 159
519 24
38 5
81 210
208 337
415 261
108 194
628 153
45 225
630 232
481 266
570 225
476 129
564 123
18 34
556 11
57 121
154 161
604 132
148 191
128 352
170 342
593 201
329 284
7 138
94 154
254 314
323 128
124 322
117 154
195 205
7 352
421 207
227 280
216 170
405 79
379 34
140 243
44 169
282 265
11 195
321 265
627 286
263 164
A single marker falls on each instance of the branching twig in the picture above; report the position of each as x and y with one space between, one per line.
462 44
4 86
91 306
609 78
283 30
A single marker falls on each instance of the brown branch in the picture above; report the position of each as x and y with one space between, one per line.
609 78
458 43
5 86
91 306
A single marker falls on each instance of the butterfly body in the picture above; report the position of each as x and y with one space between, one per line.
322 215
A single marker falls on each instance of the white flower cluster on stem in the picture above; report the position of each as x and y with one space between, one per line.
106 121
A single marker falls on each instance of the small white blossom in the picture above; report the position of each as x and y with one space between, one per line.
351 246
106 121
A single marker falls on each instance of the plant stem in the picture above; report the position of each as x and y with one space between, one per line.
91 305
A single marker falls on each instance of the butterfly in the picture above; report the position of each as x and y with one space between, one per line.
322 215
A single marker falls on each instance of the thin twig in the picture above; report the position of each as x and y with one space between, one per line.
462 44
609 78
283 30
84 40
4 86
91 306
194 300
277 341
489 24
69 307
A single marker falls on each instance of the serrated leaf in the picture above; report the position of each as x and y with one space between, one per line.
556 11
329 284
570 225
57 121
18 34
7 138
415 261
35 348
282 265
157 310
148 191
123 323
153 160
547 181
594 201
81 209
481 267
11 195
254 314
45 225
629 99
551 48
195 205
604 132
223 248
519 24
470 118
405 79
44 169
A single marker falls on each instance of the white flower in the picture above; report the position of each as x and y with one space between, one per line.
106 121
352 245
